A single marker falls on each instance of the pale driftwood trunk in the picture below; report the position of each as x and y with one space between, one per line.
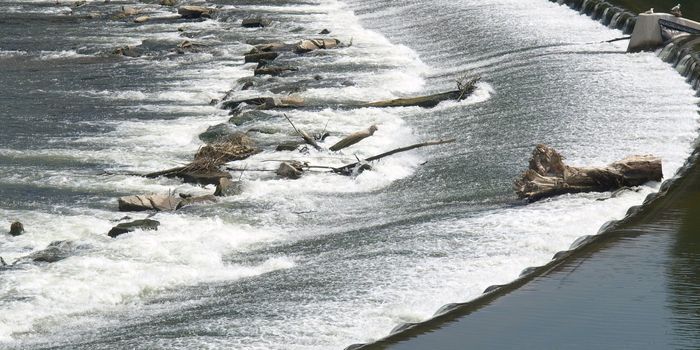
548 176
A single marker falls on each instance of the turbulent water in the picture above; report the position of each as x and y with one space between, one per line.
327 260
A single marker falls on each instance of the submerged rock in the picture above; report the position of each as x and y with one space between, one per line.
141 19
126 227
129 51
55 251
16 228
168 2
257 57
274 70
197 200
256 22
217 132
288 146
228 187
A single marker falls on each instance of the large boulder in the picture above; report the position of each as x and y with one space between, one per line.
16 228
156 202
190 11
126 227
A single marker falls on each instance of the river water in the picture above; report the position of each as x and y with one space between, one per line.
324 261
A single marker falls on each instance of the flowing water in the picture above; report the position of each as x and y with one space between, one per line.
324 261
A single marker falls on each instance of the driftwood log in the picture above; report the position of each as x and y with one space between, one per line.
465 86
354 138
548 176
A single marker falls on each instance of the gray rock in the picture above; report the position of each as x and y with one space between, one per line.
16 228
290 170
255 22
145 224
55 251
228 187
197 200
216 132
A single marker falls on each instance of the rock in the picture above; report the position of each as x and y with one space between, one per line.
290 170
272 47
149 202
145 224
274 70
255 22
2 262
129 51
168 2
190 11
309 45
216 132
129 11
324 32
55 251
257 57
197 200
141 19
288 146
16 228
228 187
247 85
203 177
266 102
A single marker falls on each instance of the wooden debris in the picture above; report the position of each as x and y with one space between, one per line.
304 135
362 165
354 138
465 87
548 176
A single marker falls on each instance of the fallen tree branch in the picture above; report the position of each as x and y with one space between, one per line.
348 169
307 138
